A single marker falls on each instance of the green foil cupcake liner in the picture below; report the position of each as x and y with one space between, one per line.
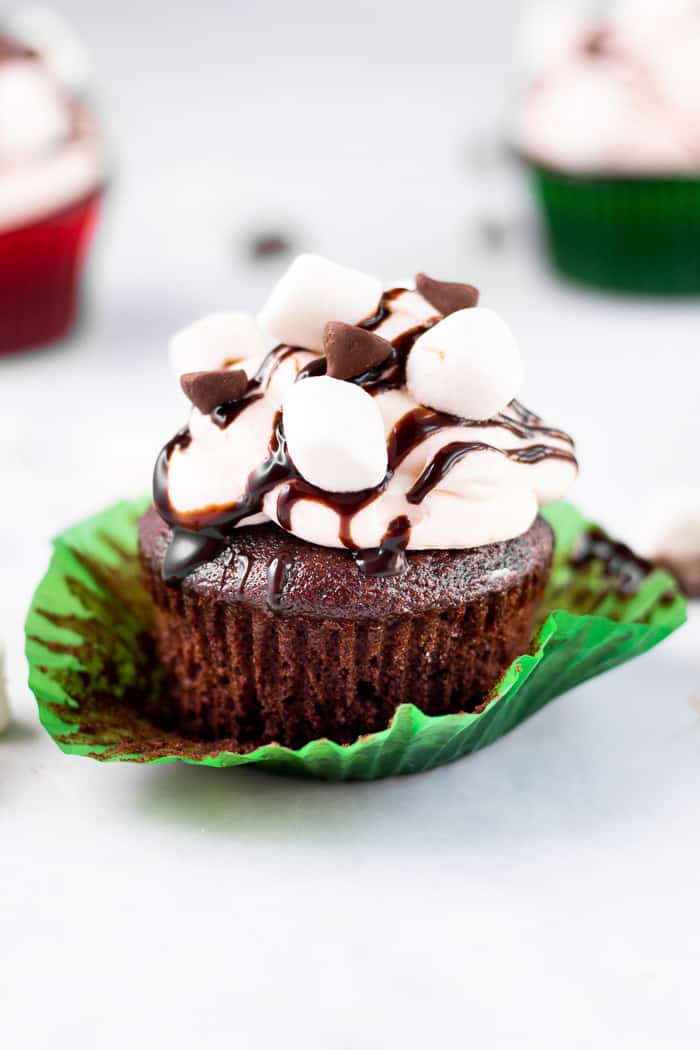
93 668
628 234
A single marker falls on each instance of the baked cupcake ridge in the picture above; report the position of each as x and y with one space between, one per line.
380 421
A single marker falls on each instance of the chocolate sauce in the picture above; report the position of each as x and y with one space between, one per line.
383 310
389 559
317 367
224 415
449 455
344 504
181 440
537 453
242 570
628 569
186 551
391 374
441 464
277 575
412 429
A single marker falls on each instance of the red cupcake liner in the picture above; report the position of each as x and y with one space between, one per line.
40 273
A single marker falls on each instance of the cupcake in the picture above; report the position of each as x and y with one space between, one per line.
51 176
349 521
611 134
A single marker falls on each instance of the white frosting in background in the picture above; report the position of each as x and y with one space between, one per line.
50 149
34 118
468 364
312 292
337 436
635 108
44 30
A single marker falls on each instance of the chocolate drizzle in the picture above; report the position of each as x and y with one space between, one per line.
344 504
627 568
441 464
389 559
202 535
277 575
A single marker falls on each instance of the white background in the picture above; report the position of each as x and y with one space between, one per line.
544 893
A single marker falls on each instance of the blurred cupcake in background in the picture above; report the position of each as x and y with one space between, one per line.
51 180
610 129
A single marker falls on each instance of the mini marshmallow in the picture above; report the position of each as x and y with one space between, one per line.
670 533
335 434
313 292
214 342
468 364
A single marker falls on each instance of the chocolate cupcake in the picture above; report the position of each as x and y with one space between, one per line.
349 521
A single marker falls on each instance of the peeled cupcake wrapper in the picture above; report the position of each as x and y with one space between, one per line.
637 234
94 671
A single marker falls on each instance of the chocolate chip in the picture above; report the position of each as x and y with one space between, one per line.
597 42
447 296
208 390
350 350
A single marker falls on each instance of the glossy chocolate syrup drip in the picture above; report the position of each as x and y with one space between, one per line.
225 414
344 504
391 374
628 569
449 455
441 464
186 551
389 559
277 575
412 430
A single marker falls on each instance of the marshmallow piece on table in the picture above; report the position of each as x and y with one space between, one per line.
670 533
34 117
335 434
468 365
312 292
214 342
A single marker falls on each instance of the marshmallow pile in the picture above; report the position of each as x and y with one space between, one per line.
467 365
459 359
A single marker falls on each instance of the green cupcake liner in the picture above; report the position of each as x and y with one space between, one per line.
93 668
626 234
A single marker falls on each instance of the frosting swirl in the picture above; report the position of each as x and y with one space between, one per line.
623 98
341 462
50 149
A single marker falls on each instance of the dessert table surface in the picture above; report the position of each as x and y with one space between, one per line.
544 892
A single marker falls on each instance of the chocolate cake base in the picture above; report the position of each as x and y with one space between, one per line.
277 640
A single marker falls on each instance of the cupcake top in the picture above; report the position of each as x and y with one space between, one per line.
623 98
50 152
380 421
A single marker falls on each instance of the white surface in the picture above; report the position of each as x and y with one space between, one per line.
543 893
